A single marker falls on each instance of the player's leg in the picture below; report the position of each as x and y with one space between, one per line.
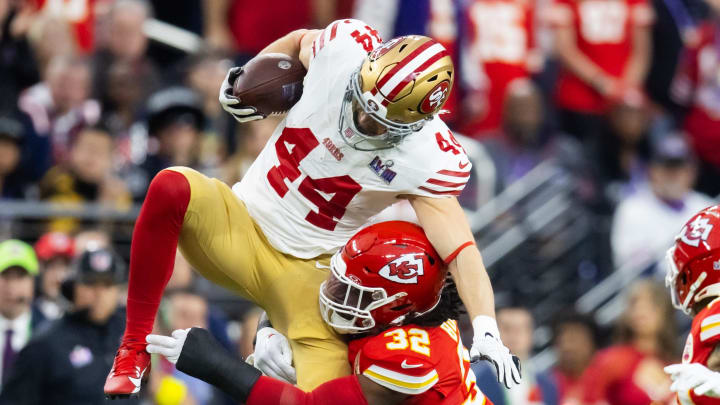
291 297
219 237
221 241
208 221
152 256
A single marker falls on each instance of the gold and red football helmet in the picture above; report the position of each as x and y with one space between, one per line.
693 272
401 84
386 274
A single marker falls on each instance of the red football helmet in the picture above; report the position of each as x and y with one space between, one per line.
694 260
385 274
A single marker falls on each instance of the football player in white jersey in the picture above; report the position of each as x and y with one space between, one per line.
364 134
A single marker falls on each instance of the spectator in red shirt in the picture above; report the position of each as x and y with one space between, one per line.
697 86
604 47
631 371
574 341
500 48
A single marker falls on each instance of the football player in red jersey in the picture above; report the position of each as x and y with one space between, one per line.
385 293
694 280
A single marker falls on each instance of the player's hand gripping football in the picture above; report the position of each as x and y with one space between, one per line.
273 355
232 104
696 377
168 346
488 346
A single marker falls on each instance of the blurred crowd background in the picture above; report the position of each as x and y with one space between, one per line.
593 126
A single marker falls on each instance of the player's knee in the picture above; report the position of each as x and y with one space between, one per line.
169 186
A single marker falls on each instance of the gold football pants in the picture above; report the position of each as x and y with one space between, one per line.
224 244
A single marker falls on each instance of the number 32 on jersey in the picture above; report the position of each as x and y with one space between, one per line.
417 339
292 147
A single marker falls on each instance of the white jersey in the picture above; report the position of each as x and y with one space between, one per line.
309 191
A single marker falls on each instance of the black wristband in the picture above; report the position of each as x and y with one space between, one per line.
202 357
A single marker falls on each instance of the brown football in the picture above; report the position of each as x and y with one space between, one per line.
272 83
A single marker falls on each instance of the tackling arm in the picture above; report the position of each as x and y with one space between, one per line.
445 225
199 355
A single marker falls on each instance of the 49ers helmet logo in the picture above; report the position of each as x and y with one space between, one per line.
404 270
435 98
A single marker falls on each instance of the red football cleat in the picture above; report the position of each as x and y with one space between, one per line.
130 369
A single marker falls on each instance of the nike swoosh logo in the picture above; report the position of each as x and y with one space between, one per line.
462 166
136 381
404 364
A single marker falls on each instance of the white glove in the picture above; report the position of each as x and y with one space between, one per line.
488 346
168 346
231 103
273 355
696 377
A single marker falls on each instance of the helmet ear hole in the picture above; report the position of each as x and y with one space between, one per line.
432 79
430 259
683 278
399 307
402 47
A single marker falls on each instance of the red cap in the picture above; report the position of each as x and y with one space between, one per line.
55 244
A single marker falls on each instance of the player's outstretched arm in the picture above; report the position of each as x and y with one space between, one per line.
196 353
445 225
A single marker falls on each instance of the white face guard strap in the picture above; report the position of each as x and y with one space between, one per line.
344 302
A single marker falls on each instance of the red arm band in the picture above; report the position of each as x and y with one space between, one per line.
269 391
457 251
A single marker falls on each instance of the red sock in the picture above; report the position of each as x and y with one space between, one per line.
152 254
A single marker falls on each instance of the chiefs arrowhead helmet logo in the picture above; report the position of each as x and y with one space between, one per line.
404 270
699 231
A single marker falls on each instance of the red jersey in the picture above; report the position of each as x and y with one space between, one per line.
698 84
622 375
603 32
500 40
431 364
254 26
79 14
704 336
